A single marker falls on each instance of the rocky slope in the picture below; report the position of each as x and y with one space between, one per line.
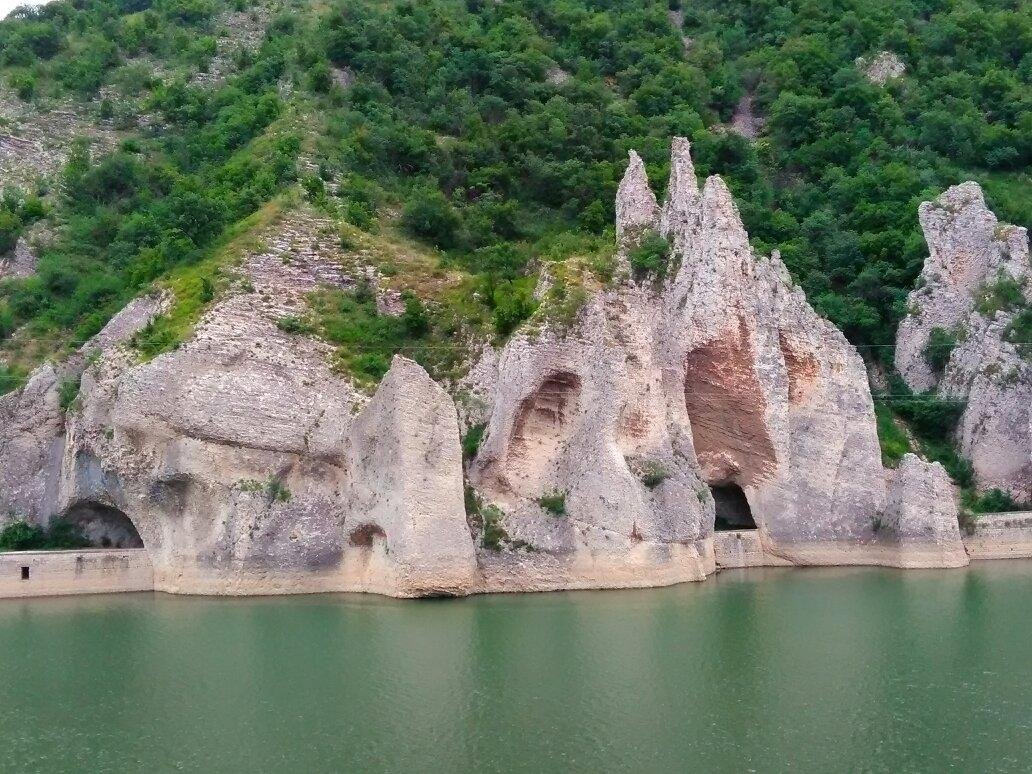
613 437
975 281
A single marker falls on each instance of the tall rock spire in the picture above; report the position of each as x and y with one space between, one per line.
680 210
636 205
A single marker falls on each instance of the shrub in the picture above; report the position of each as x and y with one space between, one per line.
893 441
653 474
650 258
10 230
430 216
471 441
1000 296
276 491
494 533
939 348
60 535
554 503
993 501
1019 332
513 303
68 391
294 325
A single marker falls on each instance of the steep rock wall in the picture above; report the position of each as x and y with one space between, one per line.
969 251
722 374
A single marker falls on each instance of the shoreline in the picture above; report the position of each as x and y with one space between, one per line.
30 574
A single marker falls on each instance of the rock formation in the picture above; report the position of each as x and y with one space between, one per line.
20 262
972 258
883 67
244 464
32 420
921 516
721 376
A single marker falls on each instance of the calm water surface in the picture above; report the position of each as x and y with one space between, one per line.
766 670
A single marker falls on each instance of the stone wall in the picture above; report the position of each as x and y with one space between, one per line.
91 571
1001 536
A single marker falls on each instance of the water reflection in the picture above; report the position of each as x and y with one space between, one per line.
772 669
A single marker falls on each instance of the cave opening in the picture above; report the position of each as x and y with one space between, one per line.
104 526
731 507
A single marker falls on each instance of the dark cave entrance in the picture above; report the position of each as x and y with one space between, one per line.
731 507
104 526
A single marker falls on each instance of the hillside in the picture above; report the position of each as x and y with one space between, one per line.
448 153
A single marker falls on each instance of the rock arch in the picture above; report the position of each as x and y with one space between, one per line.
103 525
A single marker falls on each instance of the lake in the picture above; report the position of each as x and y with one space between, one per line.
856 669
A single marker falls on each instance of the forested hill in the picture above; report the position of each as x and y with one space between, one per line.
494 131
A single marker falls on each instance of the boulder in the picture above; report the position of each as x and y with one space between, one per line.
921 518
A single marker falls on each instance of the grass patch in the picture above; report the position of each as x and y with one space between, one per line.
471 441
653 474
194 287
891 438
554 503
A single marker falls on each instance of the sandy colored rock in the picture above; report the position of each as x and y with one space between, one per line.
921 515
968 250
881 68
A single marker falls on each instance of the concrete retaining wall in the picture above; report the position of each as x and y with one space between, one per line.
89 571
742 548
1001 536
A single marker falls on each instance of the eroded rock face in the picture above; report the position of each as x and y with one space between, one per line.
722 375
921 515
969 250
20 262
247 466
881 68
32 420
404 505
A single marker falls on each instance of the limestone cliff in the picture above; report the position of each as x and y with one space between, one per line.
615 436
720 378
975 280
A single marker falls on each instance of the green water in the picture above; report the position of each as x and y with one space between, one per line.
808 670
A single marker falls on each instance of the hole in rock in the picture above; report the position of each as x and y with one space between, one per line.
104 526
732 508
24 573
363 534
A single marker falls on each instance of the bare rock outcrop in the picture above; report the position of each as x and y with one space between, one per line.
881 68
613 436
248 467
32 419
921 519
970 257
20 262
662 396
404 506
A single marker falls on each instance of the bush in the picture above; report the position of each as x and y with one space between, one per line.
993 501
653 474
554 503
10 230
430 216
513 303
495 535
893 441
60 535
1002 295
1019 332
650 258
939 349
68 391
471 441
